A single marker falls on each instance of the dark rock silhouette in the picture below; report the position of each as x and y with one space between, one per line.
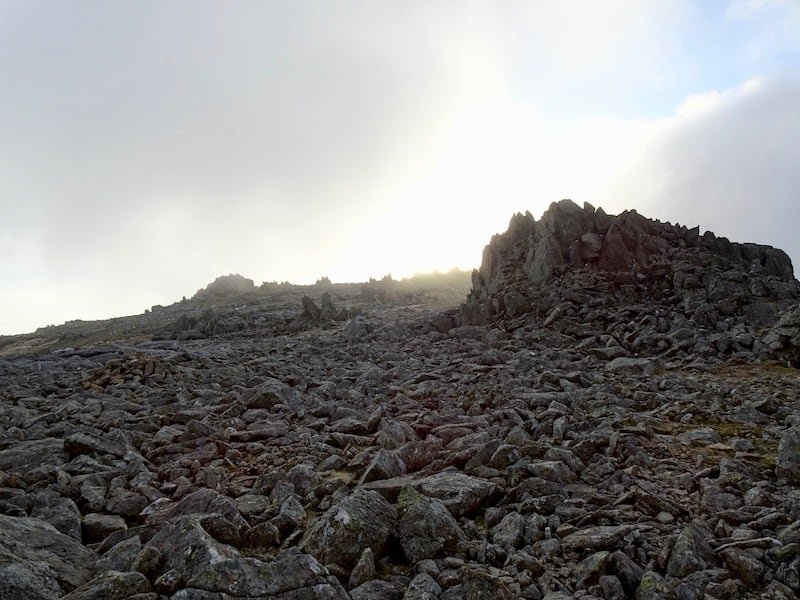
577 268
662 260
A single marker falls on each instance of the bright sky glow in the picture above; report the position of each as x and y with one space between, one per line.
147 147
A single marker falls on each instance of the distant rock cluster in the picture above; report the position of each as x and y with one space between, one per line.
227 285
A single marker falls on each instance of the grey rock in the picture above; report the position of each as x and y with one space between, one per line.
364 569
111 585
379 590
28 581
126 503
203 501
510 532
96 526
187 548
291 572
384 465
691 553
703 434
425 528
120 556
147 561
362 519
262 535
480 584
595 538
168 582
552 470
695 584
748 569
30 543
461 494
625 364
422 587
80 443
61 513
589 571
788 464
653 587
32 453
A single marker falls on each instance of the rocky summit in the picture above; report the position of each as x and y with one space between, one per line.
612 413
636 285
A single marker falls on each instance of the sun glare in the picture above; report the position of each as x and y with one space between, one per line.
496 159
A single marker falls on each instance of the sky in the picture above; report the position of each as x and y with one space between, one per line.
149 146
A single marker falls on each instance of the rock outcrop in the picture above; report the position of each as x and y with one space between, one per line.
227 285
638 280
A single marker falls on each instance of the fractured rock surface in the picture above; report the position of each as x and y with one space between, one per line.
610 415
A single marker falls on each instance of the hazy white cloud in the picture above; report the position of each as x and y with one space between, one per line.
726 161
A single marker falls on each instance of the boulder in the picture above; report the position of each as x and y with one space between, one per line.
111 585
425 528
691 553
202 502
188 548
30 580
291 573
364 519
788 464
28 543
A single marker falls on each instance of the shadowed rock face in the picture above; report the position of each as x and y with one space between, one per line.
592 251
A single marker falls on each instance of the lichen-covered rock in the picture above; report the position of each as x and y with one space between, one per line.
461 494
653 587
425 528
691 553
747 568
201 502
31 543
291 573
482 584
595 538
364 569
361 520
111 585
28 581
188 548
422 587
97 526
788 464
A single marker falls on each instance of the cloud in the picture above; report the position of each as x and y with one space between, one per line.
726 161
